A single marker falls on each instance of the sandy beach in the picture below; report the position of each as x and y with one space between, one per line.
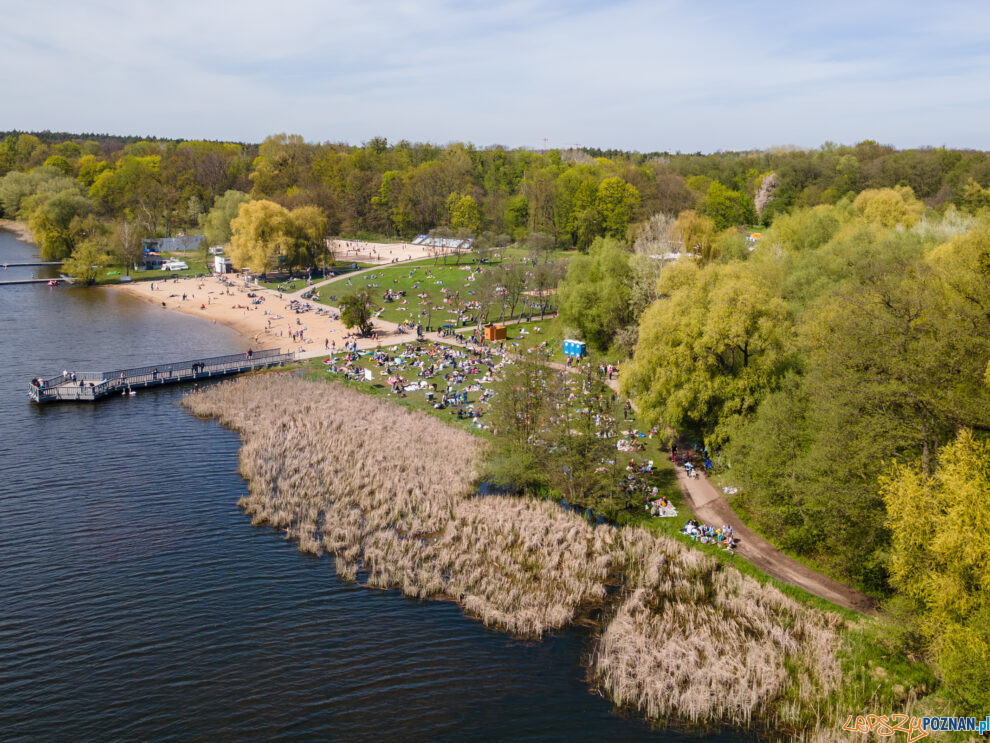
21 229
269 324
367 252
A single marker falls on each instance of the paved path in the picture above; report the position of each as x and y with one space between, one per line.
341 277
710 506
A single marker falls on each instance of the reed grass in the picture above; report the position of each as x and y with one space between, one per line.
390 493
700 640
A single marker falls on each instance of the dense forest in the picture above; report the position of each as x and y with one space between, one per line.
66 186
836 367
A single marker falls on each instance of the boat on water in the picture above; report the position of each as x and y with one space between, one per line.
53 282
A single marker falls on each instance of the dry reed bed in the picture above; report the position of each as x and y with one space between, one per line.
388 491
700 640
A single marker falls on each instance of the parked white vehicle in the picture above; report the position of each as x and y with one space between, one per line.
175 266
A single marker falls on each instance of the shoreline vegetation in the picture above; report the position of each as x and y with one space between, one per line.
20 229
682 635
812 322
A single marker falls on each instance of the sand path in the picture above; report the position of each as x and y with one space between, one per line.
270 323
710 506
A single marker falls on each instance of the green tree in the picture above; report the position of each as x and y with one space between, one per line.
616 203
709 349
940 560
216 222
282 160
580 432
553 431
805 229
517 215
22 193
356 311
727 208
59 163
594 295
465 218
51 223
893 347
87 260
134 187
126 244
889 207
89 168
517 419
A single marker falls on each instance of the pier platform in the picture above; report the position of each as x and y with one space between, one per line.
92 386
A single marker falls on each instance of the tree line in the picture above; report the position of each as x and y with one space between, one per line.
836 367
402 189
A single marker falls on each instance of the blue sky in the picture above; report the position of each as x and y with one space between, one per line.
658 75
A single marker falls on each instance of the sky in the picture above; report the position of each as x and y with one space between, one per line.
646 75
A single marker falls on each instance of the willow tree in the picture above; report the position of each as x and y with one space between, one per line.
709 349
594 295
940 560
265 235
259 235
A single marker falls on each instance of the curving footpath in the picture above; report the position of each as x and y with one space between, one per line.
710 506
704 500
340 277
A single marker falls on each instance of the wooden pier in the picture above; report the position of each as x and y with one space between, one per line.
92 386
31 264
11 282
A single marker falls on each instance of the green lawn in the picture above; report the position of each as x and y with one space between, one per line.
402 358
292 285
420 277
196 262
549 335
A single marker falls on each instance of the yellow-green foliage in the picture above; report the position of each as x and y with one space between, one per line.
86 261
388 491
805 229
889 207
264 232
940 558
708 348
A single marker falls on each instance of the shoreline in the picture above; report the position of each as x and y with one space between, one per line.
523 566
269 323
18 229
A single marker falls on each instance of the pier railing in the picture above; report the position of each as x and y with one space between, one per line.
88 386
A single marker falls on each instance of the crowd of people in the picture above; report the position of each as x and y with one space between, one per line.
457 379
450 378
723 536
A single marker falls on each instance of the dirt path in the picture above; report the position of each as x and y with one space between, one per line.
709 506
703 499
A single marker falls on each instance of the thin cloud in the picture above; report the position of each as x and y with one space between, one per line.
640 75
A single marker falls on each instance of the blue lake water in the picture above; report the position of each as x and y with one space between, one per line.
137 602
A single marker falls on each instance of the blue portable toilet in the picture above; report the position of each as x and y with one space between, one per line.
574 348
